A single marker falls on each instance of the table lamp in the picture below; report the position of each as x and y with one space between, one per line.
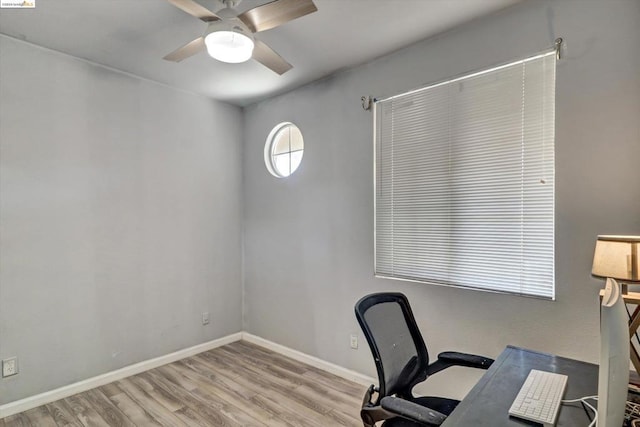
616 257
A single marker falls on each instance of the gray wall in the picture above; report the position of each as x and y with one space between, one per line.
121 205
309 238
120 208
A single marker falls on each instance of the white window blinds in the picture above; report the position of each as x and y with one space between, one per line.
464 185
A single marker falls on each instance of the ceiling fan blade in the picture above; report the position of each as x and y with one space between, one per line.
194 9
276 13
269 58
187 50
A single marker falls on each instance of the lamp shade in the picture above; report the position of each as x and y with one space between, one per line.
617 257
229 46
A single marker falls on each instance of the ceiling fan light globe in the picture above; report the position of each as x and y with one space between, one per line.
229 46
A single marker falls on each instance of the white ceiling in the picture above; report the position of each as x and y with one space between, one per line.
134 35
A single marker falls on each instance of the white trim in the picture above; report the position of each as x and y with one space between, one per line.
345 373
106 378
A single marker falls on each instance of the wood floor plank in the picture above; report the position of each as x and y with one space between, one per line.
277 380
246 404
138 415
40 416
273 357
221 379
238 408
245 386
332 386
261 363
243 347
262 372
289 410
230 368
335 382
237 385
107 410
213 410
341 408
210 393
191 418
17 420
159 413
291 369
63 414
84 411
176 377
166 399
110 389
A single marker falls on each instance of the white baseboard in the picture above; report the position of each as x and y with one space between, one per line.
100 380
338 370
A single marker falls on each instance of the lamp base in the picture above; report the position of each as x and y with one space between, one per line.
613 376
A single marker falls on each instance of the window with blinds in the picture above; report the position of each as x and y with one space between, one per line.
464 181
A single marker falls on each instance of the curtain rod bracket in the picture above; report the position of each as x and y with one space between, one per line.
558 45
367 102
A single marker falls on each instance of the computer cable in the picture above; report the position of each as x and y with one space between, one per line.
583 401
586 411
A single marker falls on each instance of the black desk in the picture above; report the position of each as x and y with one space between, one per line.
488 402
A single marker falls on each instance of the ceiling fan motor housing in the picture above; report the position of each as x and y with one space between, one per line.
229 40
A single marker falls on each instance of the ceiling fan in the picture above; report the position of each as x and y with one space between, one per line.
229 36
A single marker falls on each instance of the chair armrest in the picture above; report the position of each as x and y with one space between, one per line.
464 359
412 411
452 358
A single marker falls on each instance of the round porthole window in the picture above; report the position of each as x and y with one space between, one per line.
283 150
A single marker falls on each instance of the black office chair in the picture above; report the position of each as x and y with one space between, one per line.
402 362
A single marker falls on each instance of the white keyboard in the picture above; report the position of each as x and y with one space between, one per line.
539 398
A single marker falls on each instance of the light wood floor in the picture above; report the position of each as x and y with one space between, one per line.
239 384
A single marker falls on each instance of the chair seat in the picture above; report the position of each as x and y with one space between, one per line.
441 404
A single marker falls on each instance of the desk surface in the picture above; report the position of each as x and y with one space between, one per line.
488 402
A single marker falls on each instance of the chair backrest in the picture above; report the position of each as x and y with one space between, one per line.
397 346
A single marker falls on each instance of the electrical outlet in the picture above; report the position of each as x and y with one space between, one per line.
353 341
205 317
9 367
